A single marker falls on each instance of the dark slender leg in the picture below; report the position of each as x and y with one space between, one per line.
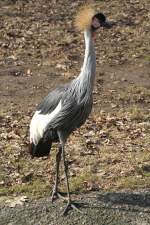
66 173
55 193
70 204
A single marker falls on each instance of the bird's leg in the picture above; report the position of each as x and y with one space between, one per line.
67 182
55 193
70 204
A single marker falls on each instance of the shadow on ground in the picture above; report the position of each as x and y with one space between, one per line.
121 198
96 208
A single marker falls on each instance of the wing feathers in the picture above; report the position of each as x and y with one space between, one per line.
40 122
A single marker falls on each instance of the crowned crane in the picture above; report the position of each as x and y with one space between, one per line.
68 106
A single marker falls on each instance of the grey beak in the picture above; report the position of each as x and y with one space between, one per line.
106 24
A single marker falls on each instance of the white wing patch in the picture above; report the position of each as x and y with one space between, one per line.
39 124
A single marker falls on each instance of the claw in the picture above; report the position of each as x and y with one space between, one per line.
56 195
70 206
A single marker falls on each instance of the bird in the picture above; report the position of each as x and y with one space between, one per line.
67 107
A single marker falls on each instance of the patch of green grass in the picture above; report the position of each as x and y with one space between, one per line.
2 177
37 188
147 58
4 191
133 182
23 164
78 183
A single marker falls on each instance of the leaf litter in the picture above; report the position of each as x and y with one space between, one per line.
111 151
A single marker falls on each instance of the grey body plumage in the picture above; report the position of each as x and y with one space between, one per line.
73 113
65 108
76 99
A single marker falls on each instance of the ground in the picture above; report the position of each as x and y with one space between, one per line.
97 209
39 49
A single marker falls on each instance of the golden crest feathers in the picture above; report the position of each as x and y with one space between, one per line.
84 17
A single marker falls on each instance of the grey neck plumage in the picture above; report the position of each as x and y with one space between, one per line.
87 75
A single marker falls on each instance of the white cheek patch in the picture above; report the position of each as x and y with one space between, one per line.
95 23
39 124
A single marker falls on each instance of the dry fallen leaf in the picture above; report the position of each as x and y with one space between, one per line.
16 201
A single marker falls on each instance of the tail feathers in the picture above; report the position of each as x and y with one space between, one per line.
41 149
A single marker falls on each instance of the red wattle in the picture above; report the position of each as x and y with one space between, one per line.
94 35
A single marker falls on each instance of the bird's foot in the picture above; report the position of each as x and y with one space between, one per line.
56 195
70 206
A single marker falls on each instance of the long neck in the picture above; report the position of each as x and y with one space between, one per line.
87 75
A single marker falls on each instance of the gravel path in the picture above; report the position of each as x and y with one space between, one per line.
97 208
